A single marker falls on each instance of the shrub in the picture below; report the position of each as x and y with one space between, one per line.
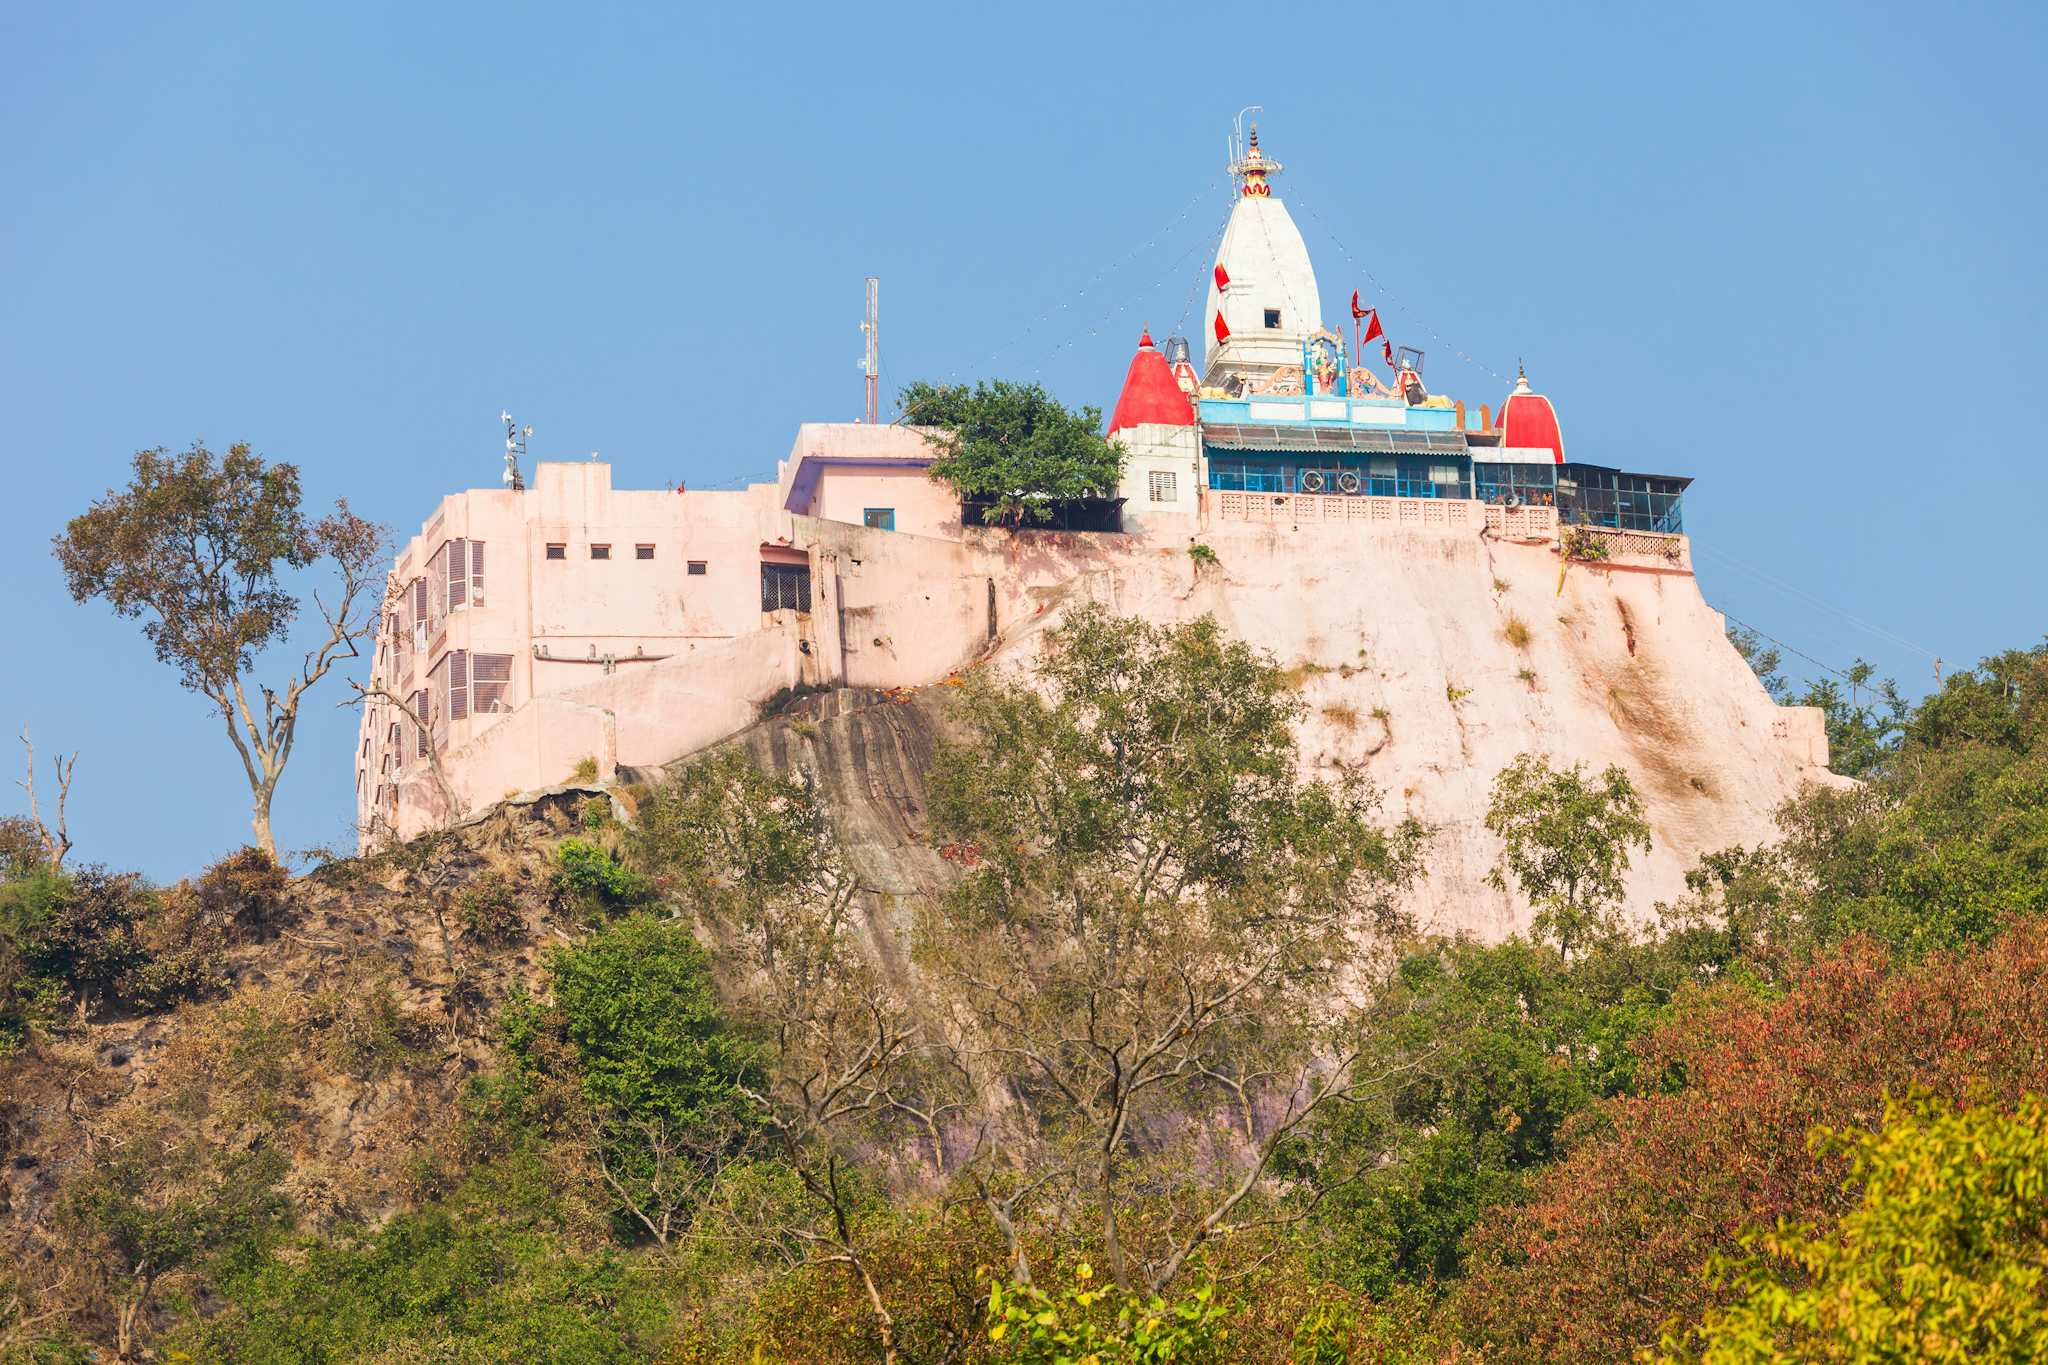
585 771
1515 631
244 893
367 1033
1202 555
586 875
594 812
490 910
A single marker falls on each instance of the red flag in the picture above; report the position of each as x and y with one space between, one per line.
1222 276
1373 328
1222 328
1357 313
1386 346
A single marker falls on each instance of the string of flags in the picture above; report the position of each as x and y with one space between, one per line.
1407 312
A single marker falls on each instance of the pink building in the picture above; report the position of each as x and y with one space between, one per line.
511 607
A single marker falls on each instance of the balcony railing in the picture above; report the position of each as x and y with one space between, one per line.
1294 509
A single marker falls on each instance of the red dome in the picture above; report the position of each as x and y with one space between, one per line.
1528 420
1150 393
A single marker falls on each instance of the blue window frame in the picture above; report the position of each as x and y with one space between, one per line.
879 518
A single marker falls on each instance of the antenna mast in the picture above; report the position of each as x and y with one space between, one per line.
515 450
871 362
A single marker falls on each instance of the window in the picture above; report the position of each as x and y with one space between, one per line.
696 566
490 677
419 708
1165 485
558 552
785 587
643 552
458 685
600 552
419 615
879 518
1272 317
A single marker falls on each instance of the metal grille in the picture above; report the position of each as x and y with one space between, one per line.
785 587
458 685
458 574
490 676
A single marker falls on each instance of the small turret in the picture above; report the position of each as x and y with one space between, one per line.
1150 394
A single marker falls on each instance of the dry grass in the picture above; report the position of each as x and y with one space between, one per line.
1341 714
1515 631
1297 677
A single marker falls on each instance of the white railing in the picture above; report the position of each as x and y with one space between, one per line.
1522 523
1293 509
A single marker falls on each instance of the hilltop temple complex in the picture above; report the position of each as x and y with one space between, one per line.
1376 532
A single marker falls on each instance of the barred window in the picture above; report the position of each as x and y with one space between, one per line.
558 552
697 566
600 552
490 678
643 552
1165 485
458 685
785 587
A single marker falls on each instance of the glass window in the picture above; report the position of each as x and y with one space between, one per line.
696 566
879 518
643 552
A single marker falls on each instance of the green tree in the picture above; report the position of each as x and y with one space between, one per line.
663 1075
1945 1259
1863 727
1013 446
162 1207
194 547
1763 659
1565 841
1156 922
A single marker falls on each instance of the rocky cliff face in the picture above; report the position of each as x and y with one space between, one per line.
1426 658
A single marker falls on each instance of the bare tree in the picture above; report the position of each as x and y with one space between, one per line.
194 546
56 843
452 806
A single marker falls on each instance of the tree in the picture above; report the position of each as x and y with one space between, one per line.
662 1074
1763 659
1945 1258
54 843
1861 734
1155 936
193 547
1609 1245
752 855
1565 841
1013 446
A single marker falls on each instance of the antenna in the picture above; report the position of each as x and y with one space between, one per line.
515 450
871 362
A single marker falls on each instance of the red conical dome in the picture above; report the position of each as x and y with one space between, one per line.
1150 393
1528 420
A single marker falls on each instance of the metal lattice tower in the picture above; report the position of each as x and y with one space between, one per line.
871 363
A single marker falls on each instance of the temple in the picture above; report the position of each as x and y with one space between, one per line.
562 628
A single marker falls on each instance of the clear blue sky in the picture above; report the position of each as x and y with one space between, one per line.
1793 250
